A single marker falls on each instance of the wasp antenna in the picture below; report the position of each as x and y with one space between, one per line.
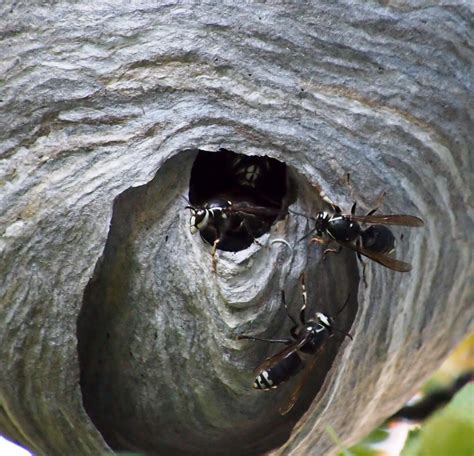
303 279
343 332
309 217
308 234
344 306
185 199
336 209
381 198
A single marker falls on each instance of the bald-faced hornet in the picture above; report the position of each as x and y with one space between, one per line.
307 337
375 242
250 171
230 225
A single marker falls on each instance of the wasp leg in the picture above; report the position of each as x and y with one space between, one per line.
320 241
362 262
348 182
293 332
250 232
336 251
380 199
214 255
305 300
377 204
326 198
304 376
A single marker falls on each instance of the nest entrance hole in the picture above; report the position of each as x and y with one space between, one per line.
260 181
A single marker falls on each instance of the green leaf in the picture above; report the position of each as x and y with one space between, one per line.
378 435
365 447
413 443
362 450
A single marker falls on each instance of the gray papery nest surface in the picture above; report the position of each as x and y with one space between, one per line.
115 333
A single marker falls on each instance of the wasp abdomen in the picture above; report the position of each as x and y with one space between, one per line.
281 372
378 238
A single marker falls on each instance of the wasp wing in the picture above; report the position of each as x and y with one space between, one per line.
381 258
395 219
288 351
252 209
296 393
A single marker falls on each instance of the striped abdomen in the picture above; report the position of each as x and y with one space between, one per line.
272 377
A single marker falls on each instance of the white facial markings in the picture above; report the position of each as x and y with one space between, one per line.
323 319
322 216
203 223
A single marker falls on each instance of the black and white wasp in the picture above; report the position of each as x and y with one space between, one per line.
224 224
375 242
307 338
251 171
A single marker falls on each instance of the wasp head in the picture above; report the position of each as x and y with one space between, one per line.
323 320
328 323
199 219
322 219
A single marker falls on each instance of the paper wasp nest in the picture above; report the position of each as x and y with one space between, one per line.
116 333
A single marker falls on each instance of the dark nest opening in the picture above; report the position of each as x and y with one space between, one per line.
261 182
146 385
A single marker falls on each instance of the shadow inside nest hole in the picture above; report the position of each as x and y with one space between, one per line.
129 327
259 181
